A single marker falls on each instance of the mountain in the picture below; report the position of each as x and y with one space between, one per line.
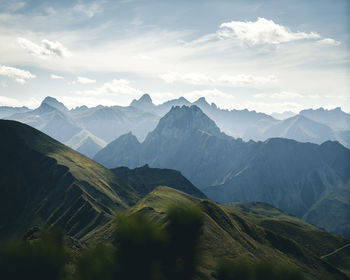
145 179
6 111
108 123
334 118
54 103
229 233
105 123
50 120
302 129
331 211
298 128
144 103
287 174
86 143
45 182
284 115
232 122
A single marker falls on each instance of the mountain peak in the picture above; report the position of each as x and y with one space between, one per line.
53 102
184 119
201 101
144 100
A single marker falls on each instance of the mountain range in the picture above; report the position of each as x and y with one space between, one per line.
44 182
295 177
88 130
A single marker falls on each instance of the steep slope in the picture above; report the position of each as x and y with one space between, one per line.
121 152
86 143
230 233
45 182
285 173
331 212
145 179
289 175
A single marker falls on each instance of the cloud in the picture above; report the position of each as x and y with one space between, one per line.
90 10
46 49
84 81
240 80
56 77
19 75
329 41
261 31
120 86
280 95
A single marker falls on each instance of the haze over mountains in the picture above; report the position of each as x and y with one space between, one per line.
290 175
88 130
43 182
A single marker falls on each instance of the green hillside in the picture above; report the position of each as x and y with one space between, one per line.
45 182
231 233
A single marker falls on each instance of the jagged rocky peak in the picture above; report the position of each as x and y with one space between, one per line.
187 118
53 102
144 100
201 102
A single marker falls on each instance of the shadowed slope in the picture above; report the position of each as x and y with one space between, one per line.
145 179
44 182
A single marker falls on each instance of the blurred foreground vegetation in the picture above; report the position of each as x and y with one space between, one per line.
141 249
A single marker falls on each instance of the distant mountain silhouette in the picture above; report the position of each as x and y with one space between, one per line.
6 111
142 116
335 118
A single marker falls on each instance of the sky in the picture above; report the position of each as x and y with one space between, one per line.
268 56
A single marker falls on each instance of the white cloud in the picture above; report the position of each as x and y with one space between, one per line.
240 80
329 41
120 86
90 10
19 75
46 49
56 77
261 31
84 80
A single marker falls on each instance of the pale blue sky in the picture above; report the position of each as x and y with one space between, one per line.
262 55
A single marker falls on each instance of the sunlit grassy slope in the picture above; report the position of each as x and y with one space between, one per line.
229 232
